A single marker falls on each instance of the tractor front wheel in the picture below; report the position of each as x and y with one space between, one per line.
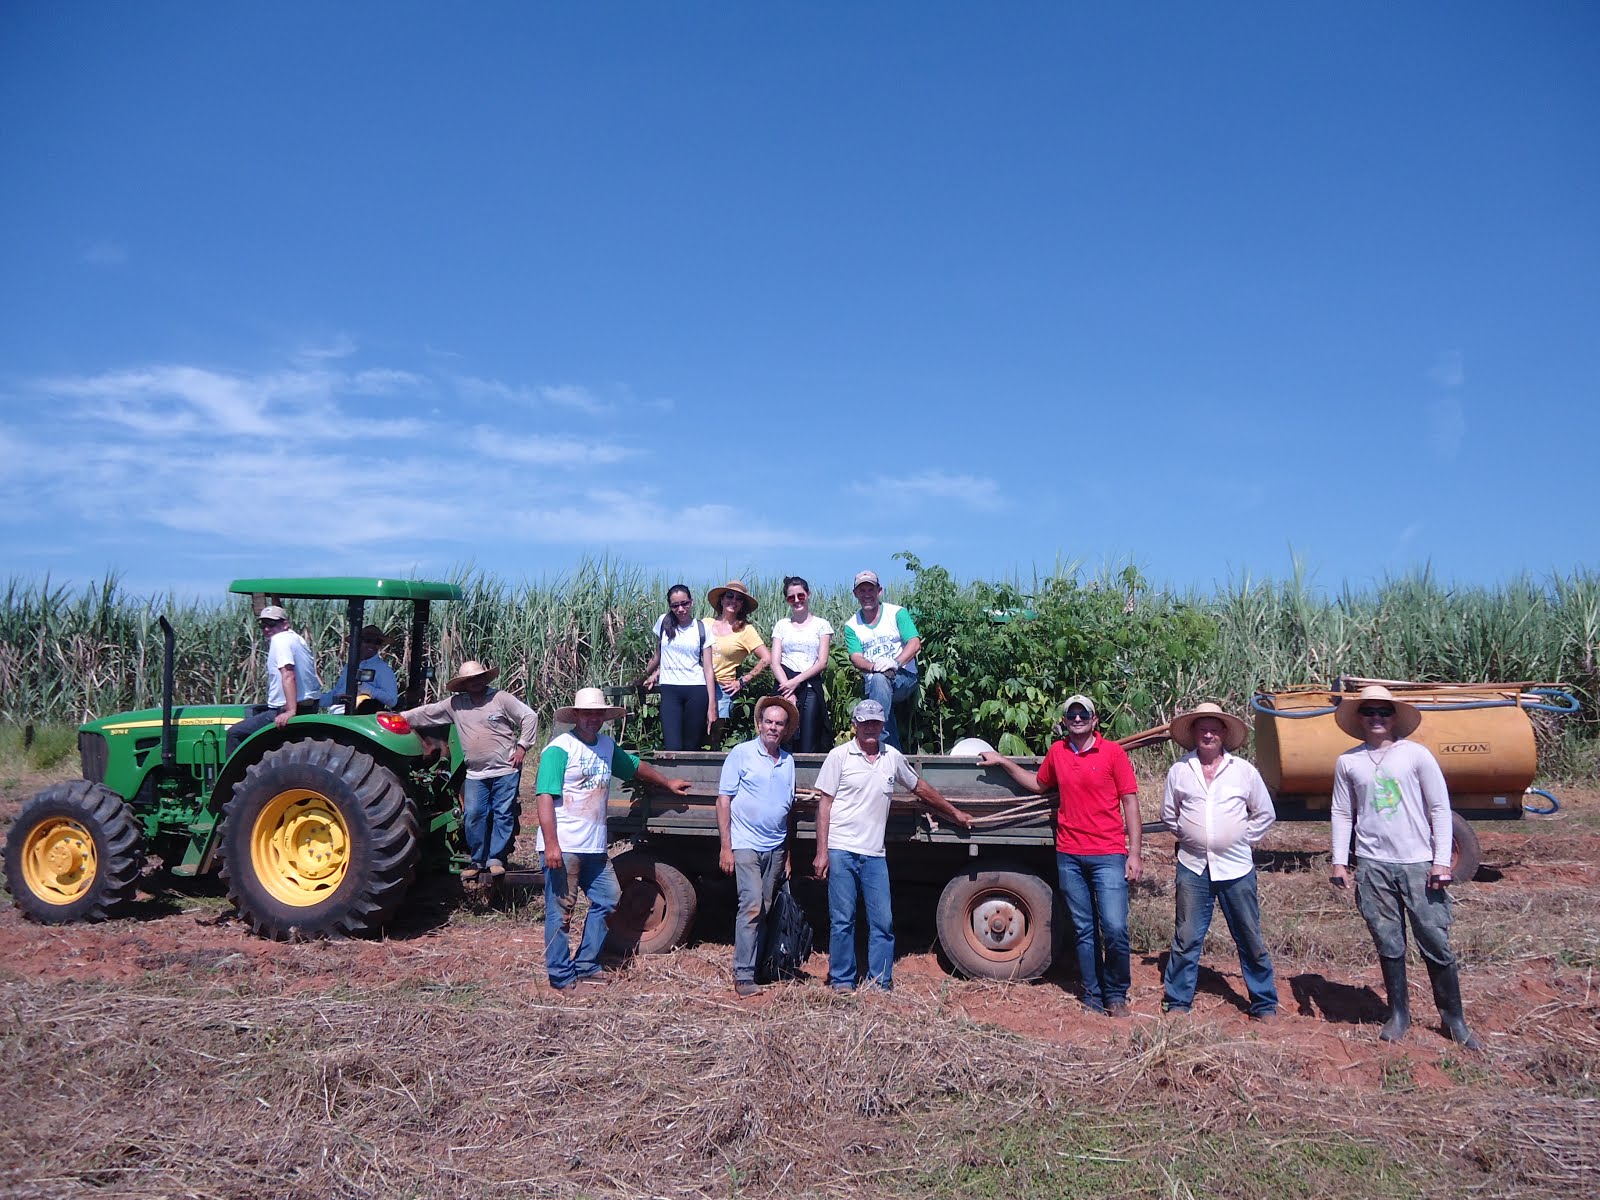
73 854
318 840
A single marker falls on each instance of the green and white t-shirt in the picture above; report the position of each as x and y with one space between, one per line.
579 776
883 640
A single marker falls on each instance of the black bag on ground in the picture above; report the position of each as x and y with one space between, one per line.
787 943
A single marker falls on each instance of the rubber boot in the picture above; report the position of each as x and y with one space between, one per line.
1394 982
1447 996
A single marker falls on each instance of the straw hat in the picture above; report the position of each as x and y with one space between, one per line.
471 669
1406 716
714 596
1182 727
371 633
782 702
586 701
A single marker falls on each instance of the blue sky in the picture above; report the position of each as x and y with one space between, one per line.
394 288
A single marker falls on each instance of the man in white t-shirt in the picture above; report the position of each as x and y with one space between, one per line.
883 643
1395 792
574 785
292 683
854 788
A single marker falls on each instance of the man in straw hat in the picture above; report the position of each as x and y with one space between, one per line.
854 787
883 643
1218 806
755 796
1397 794
1097 847
574 784
496 731
292 683
374 677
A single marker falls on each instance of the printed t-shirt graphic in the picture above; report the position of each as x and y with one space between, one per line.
882 641
579 777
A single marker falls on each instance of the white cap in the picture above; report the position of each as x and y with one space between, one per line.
272 612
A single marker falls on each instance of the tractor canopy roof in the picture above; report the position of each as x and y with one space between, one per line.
347 587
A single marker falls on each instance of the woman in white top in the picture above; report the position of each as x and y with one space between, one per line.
799 656
682 665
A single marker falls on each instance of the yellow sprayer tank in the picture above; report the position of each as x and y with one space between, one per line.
1480 734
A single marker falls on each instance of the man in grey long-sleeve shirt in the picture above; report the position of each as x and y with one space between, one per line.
1397 794
496 731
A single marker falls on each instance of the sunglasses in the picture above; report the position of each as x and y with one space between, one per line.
680 604
797 598
1077 714
1367 710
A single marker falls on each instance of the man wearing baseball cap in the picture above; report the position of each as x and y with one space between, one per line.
1097 847
292 683
883 643
854 788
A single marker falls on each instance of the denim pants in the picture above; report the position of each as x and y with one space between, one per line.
813 736
683 716
877 687
1095 887
1197 898
850 874
489 816
758 874
598 880
1388 893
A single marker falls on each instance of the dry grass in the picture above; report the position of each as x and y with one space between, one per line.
219 1088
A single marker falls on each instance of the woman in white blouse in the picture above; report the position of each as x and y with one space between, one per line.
682 665
800 644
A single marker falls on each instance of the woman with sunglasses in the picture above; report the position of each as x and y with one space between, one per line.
800 642
682 665
733 641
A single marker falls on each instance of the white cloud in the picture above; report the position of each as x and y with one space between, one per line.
341 346
566 395
910 491
1449 371
614 516
544 450
104 254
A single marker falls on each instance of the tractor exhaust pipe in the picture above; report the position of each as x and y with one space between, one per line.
169 735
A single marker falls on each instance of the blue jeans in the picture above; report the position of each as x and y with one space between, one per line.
1197 898
724 704
489 816
850 873
594 874
757 874
877 687
1095 887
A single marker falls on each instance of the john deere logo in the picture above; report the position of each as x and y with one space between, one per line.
1465 748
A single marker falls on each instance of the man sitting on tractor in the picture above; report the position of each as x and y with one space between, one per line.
292 683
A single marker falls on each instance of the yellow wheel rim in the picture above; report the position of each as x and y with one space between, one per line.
300 847
58 860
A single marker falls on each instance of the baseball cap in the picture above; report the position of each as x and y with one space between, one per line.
272 612
867 710
1079 699
865 577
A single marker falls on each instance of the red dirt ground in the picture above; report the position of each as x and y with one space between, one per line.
1519 1008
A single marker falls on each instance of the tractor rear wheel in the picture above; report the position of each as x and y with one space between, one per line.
318 839
998 923
73 854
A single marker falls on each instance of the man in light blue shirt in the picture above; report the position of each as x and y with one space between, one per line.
375 679
754 797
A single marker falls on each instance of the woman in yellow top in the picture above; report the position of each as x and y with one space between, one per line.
734 640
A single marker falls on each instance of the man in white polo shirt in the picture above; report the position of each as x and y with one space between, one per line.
854 788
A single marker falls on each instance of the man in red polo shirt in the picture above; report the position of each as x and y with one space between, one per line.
1097 847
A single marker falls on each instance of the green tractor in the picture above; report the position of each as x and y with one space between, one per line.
317 828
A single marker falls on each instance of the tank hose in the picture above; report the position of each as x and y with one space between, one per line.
1261 703
1555 805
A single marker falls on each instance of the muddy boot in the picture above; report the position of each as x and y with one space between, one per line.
1394 982
1447 996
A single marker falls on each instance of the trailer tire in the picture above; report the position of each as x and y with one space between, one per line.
657 908
998 922
1467 853
318 840
73 854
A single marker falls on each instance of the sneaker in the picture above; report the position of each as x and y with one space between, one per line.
598 979
1267 1017
745 987
1175 1010
471 871
496 868
1117 1008
841 989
